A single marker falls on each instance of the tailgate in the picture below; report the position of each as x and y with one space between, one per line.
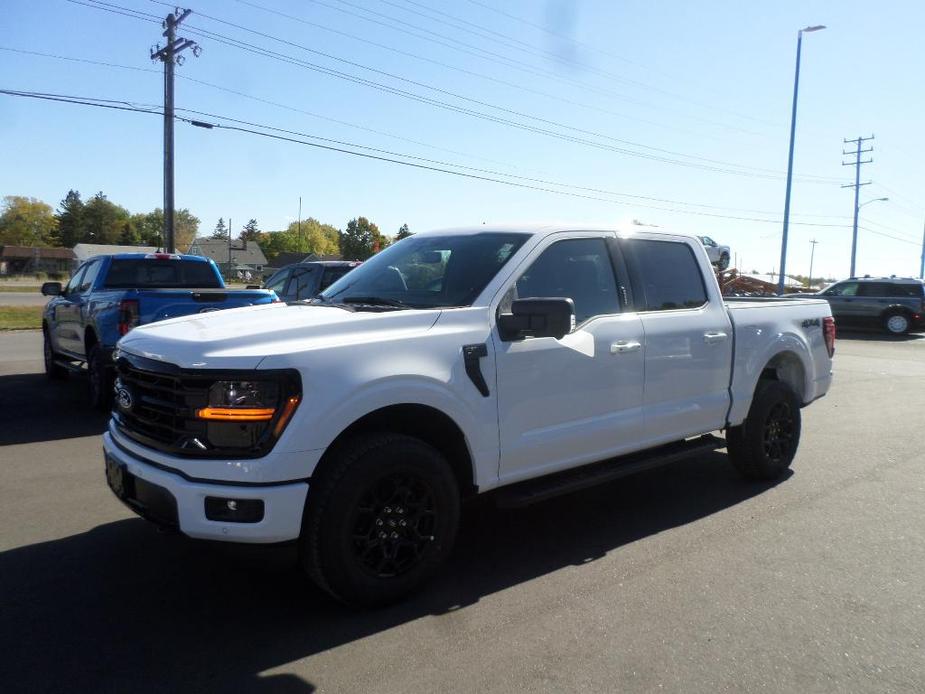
161 304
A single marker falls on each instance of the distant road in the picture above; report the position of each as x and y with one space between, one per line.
22 299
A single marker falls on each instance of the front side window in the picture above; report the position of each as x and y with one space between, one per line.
668 275
578 269
89 276
843 289
75 280
428 271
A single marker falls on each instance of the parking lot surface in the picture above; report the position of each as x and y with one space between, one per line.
681 579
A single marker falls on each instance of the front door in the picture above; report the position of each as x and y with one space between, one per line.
575 400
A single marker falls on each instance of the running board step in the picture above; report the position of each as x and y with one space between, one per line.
568 481
73 367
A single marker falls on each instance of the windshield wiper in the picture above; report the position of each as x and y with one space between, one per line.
374 301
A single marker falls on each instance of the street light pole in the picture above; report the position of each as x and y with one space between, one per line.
812 254
793 126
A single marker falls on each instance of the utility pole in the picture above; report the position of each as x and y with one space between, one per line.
857 187
170 55
812 254
300 224
922 264
228 272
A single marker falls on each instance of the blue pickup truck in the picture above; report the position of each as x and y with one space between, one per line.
109 295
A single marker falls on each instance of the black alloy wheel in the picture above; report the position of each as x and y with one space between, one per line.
393 525
778 433
764 445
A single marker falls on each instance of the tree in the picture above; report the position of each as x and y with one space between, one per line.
250 232
360 240
403 233
104 220
314 237
70 218
131 234
27 222
221 231
185 228
150 227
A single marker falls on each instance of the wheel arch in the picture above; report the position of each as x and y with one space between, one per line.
424 422
788 368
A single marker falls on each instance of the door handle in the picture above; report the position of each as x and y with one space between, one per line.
624 346
712 338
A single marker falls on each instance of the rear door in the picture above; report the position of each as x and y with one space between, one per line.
575 400
688 341
871 301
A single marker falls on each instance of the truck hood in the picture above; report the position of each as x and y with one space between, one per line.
241 338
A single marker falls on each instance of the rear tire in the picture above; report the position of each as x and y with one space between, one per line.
897 323
100 379
380 520
764 445
54 371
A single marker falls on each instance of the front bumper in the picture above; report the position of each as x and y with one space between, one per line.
167 498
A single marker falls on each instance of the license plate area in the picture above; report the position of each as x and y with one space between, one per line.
120 481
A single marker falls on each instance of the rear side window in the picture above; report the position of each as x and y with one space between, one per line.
874 289
155 273
666 275
906 290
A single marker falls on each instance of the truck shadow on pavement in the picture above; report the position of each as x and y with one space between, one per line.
124 608
34 409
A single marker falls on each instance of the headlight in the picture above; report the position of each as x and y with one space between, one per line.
241 401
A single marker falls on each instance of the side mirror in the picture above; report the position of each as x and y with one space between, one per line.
546 317
51 288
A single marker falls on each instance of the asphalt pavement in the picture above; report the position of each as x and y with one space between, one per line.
682 579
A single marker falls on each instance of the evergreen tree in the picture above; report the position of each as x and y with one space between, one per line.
70 218
221 231
250 232
403 233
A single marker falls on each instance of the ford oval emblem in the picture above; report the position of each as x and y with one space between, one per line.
124 398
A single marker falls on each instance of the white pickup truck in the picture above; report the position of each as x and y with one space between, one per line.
531 361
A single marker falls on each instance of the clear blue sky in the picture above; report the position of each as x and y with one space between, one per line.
708 79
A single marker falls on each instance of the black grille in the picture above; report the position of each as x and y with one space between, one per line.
156 406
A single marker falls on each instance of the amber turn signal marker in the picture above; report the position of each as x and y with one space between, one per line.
237 414
288 409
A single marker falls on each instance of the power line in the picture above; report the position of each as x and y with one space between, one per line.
387 134
482 54
528 48
465 71
152 110
709 165
889 236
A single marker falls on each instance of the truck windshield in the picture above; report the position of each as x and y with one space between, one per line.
158 273
428 271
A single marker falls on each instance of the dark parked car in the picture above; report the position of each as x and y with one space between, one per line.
304 280
894 304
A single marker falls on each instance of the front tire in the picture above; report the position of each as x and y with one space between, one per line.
764 445
723 261
100 379
897 323
380 520
54 371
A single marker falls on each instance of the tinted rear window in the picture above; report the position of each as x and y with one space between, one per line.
144 273
906 289
667 273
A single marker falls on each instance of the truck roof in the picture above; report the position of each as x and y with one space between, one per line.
142 256
542 229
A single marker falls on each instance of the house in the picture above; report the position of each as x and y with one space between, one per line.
82 251
237 256
23 260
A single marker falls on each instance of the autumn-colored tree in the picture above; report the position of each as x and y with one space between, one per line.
27 222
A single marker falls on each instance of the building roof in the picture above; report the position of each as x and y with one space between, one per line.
82 251
36 252
242 252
